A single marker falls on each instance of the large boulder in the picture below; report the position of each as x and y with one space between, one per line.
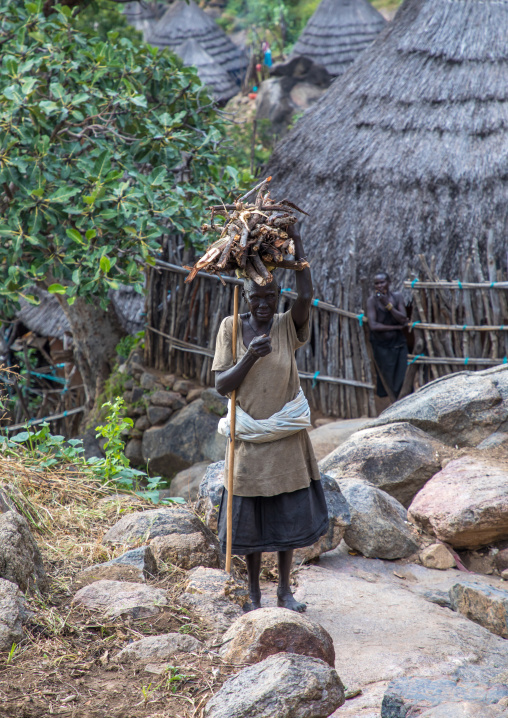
460 409
12 615
215 596
397 458
154 649
285 685
176 536
188 437
482 604
20 558
328 437
407 697
465 504
379 527
210 494
267 631
114 599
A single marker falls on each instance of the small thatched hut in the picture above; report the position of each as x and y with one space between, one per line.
220 82
183 21
407 152
142 15
338 32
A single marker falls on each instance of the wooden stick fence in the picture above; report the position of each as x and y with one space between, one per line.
464 323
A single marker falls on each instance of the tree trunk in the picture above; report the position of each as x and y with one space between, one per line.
95 333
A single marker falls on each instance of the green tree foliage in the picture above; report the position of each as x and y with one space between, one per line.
103 147
100 18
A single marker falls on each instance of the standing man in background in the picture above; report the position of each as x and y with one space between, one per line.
387 318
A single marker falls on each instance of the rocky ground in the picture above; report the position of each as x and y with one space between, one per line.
111 607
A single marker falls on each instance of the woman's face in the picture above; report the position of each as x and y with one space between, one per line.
263 302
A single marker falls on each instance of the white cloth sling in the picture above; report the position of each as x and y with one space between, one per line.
293 417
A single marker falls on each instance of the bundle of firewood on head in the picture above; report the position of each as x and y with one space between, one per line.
253 240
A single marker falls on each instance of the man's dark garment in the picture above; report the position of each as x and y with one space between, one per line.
390 353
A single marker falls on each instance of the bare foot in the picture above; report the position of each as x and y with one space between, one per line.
255 602
287 600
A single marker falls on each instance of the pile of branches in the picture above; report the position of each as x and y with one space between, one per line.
253 240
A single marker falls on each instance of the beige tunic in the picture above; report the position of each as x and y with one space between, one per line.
280 466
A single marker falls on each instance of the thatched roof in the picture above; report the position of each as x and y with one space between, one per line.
338 32
210 72
48 320
184 20
407 152
142 15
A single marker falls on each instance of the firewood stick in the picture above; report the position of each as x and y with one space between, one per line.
232 427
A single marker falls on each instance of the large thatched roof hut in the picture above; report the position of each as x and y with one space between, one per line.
220 82
338 32
407 152
183 21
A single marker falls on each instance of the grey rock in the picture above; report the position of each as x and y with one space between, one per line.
494 440
171 399
330 435
194 394
137 394
285 685
183 386
109 572
12 615
148 381
190 436
215 596
460 409
188 550
20 558
210 493
157 648
167 380
406 697
141 558
113 599
158 414
379 528
142 423
267 631
437 556
464 710
186 483
501 560
397 458
485 605
134 452
215 402
147 525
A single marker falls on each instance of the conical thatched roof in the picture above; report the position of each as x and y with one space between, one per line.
338 32
407 152
142 15
210 72
186 21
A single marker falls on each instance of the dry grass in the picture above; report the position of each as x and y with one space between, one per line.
63 666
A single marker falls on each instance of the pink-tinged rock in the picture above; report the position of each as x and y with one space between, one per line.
465 504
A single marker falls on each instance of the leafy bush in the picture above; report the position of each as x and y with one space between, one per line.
105 146
44 450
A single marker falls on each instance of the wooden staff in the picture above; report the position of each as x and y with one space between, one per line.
232 427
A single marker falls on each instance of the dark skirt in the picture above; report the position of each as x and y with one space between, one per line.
275 523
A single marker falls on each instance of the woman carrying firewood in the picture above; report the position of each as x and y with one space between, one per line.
278 501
